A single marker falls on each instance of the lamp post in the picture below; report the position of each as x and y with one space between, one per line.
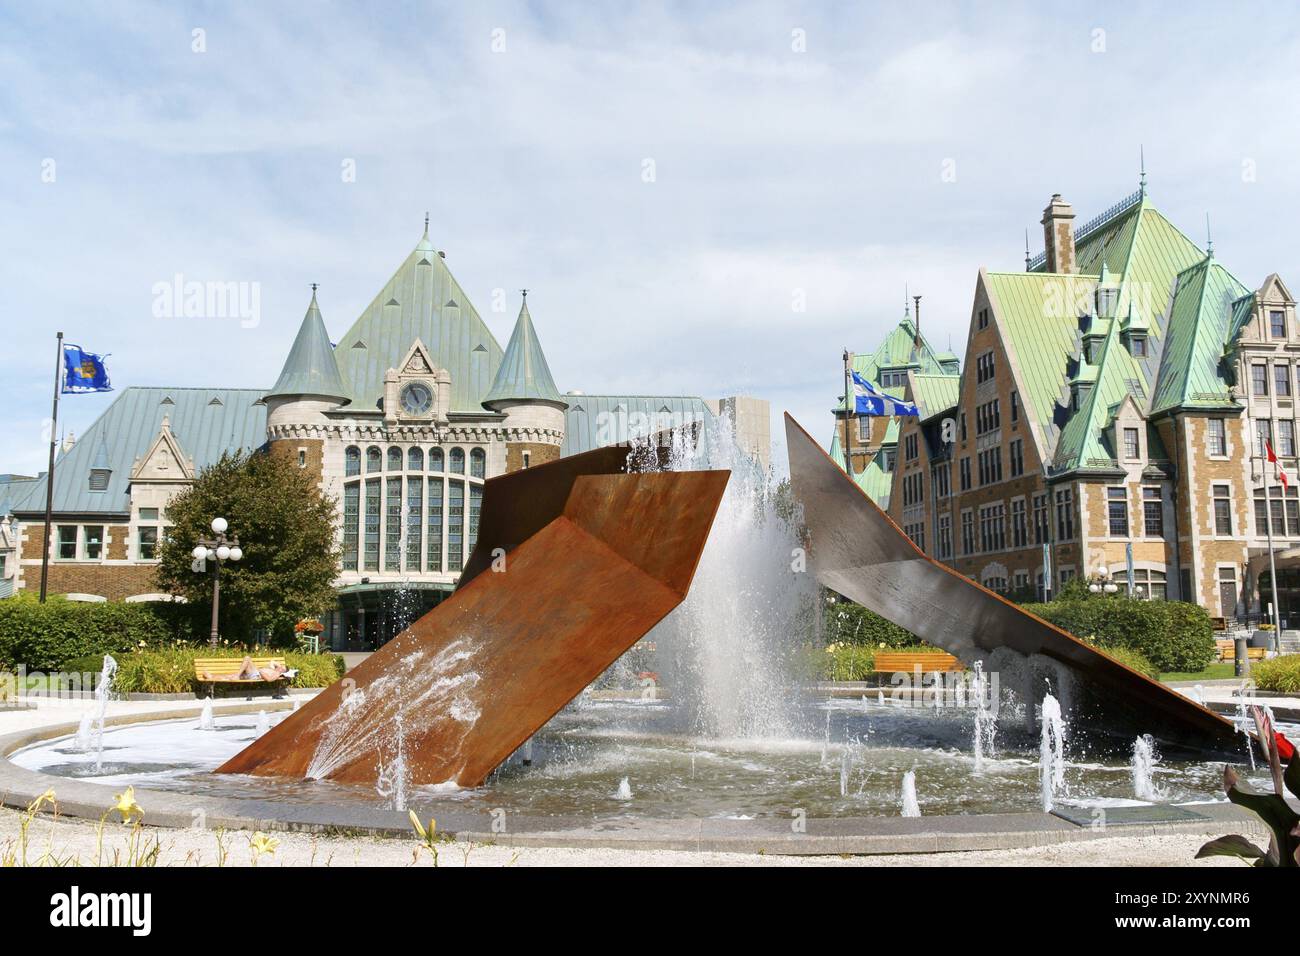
218 549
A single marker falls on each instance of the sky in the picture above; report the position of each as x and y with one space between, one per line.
703 199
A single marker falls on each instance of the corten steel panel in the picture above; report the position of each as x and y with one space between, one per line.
600 559
856 550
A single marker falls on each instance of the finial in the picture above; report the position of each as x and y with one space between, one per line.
1026 250
525 294
907 302
1142 163
1209 239
314 287
426 222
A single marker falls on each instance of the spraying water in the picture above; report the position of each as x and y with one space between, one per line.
85 730
624 791
911 806
206 721
986 718
1145 760
729 645
102 690
263 723
1051 752
846 764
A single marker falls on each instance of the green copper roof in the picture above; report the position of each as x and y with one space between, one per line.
900 350
1200 323
310 368
935 394
421 301
874 480
594 421
523 374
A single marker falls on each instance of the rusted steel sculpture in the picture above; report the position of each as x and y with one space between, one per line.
575 561
856 550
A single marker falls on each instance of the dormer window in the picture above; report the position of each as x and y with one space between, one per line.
1137 346
99 479
1277 323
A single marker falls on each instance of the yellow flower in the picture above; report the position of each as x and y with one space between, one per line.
127 806
46 797
261 843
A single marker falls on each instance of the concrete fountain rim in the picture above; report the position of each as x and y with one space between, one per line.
822 836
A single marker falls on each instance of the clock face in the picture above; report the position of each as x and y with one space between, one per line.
417 398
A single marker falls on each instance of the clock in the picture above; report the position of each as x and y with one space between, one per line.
416 398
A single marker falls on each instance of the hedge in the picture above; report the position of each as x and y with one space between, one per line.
1281 674
171 670
1172 635
47 636
849 623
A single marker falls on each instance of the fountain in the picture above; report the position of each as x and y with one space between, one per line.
102 691
1051 752
624 791
206 721
911 807
1145 759
986 717
263 723
84 739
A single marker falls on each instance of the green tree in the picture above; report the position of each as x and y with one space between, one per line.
285 527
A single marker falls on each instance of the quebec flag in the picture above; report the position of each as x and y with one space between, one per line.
869 401
84 371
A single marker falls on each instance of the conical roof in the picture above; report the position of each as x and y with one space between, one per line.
310 368
523 374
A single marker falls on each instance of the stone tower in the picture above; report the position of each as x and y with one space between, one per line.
525 393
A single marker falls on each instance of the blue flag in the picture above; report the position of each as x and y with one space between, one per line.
869 401
84 371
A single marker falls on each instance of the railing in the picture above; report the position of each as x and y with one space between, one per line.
1091 226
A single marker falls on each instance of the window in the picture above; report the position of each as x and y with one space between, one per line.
967 533
435 459
1147 584
1153 513
352 461
374 459
147 543
1218 437
963 426
985 370
1065 514
1285 438
1282 380
1277 324
394 459
1263 435
1017 454
67 542
988 417
993 536
1137 345
99 479
528 460
393 522
982 319
1259 379
963 473
917 533
1041 526
434 525
455 522
477 463
990 466
415 459
1019 530
1272 504
372 524
93 547
1132 448
302 458
910 450
351 519
998 584
1222 510
1117 511
913 489
458 464
475 508
414 518
943 481
1015 407
864 428
945 536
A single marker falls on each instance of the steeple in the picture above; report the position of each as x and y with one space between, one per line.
523 374
310 368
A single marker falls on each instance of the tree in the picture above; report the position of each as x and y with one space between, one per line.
285 526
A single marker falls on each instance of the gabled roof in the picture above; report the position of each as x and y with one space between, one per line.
421 301
204 429
311 368
935 394
903 348
523 374
594 421
873 479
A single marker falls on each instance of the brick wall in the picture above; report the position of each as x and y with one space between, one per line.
538 453
288 449
113 581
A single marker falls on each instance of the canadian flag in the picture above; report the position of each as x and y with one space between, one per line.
1273 458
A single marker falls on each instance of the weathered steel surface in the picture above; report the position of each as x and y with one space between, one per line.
856 550
592 561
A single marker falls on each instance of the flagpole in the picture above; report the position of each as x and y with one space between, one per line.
1272 567
849 409
49 475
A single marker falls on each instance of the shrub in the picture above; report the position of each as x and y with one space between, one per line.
846 662
1130 658
1281 674
849 623
1172 635
171 670
47 636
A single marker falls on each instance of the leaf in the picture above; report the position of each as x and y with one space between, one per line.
1292 776
1270 808
1232 845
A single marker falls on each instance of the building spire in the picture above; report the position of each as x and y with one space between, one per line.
523 375
310 368
1142 166
1209 239
426 224
907 303
1026 248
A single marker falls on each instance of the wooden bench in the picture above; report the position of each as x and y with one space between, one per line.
224 670
1228 651
893 662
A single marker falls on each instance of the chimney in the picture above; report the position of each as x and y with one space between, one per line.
1058 235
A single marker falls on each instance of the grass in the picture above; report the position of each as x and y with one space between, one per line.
1216 671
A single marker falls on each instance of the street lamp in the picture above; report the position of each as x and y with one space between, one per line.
218 549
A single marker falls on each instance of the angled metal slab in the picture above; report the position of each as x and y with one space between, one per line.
575 561
856 550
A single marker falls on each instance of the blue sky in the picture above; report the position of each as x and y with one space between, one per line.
779 174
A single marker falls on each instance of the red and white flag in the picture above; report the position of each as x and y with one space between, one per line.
1276 467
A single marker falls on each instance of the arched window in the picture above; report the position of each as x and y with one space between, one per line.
435 459
394 459
352 461
458 461
415 460
374 459
477 463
